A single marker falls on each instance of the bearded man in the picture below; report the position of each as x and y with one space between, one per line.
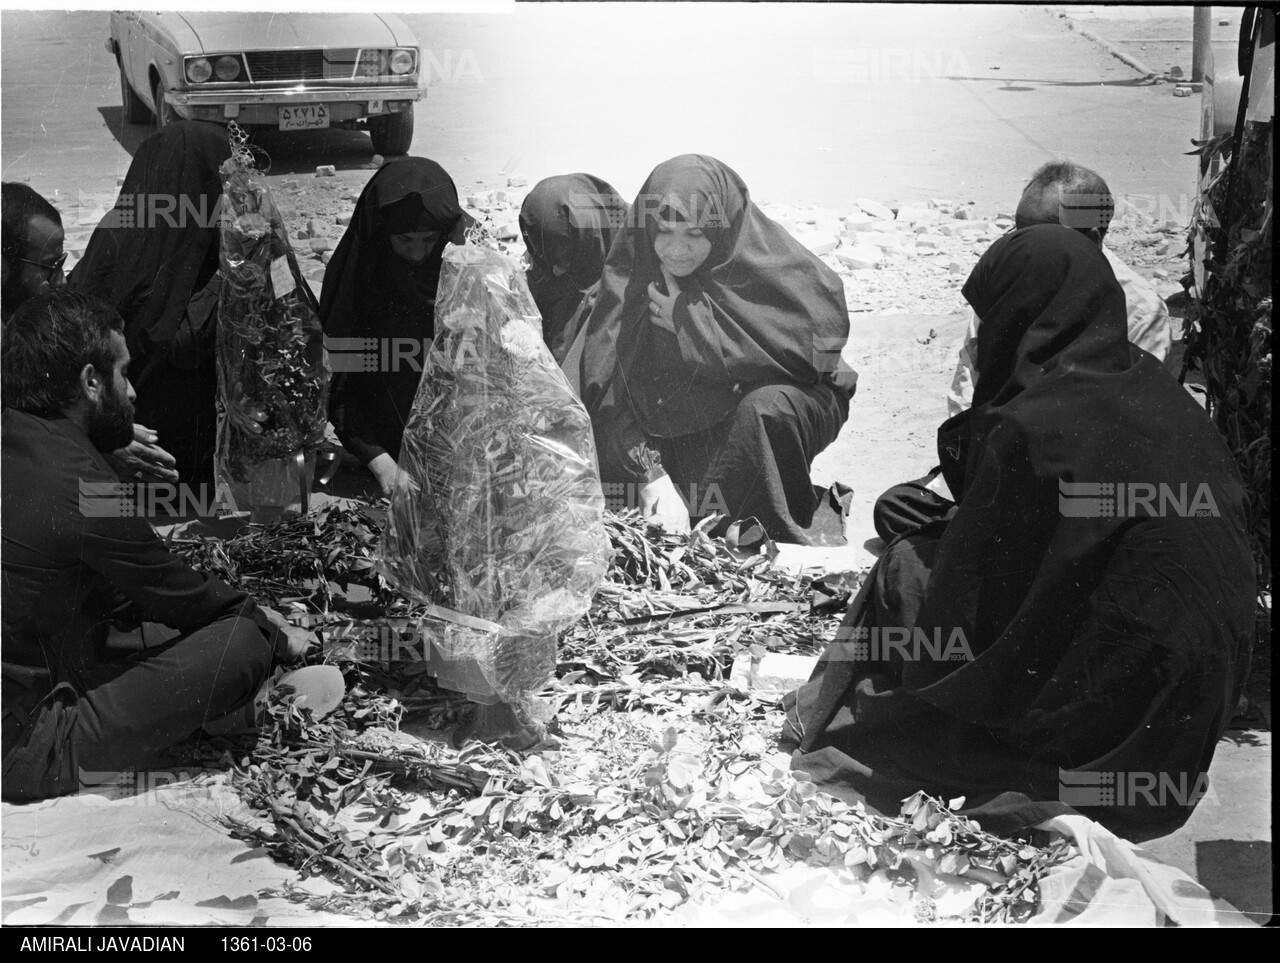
73 568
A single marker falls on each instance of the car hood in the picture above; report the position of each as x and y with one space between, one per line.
271 31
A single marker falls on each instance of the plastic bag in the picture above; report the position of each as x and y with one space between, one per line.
504 522
272 379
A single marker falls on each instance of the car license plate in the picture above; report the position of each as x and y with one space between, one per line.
304 117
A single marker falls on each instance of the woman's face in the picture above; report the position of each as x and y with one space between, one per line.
414 248
681 247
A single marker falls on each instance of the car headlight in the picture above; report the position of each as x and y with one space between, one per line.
199 70
402 61
227 68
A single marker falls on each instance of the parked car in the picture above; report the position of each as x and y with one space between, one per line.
291 71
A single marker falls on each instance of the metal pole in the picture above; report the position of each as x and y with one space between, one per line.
1201 26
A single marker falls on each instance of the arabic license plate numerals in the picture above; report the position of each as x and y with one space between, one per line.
304 117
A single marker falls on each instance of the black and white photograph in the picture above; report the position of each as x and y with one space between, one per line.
692 465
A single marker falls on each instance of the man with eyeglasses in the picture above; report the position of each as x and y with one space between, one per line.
33 261
32 247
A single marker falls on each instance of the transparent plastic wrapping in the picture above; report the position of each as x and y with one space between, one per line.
503 517
272 379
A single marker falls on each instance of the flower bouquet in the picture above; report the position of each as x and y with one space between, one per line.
272 379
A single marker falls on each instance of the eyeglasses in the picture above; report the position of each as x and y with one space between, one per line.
49 269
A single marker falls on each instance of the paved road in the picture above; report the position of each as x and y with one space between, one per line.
812 104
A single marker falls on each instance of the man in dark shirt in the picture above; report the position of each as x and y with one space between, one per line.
69 574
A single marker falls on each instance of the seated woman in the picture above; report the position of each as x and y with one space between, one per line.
711 360
568 223
1038 641
381 284
154 258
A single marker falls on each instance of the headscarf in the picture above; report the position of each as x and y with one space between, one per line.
568 223
366 286
1101 642
760 309
159 245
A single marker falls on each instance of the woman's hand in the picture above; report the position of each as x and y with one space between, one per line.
145 459
662 306
390 478
660 501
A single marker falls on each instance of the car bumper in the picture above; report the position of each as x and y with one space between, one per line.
262 106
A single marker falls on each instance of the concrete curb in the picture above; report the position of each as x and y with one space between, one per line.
1147 72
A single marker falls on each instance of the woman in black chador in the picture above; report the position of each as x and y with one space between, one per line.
568 223
154 258
711 361
1058 636
381 285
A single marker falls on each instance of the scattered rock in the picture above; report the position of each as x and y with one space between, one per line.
928 242
964 214
860 256
325 256
301 234
941 204
509 231
326 170
377 160
856 222
890 242
956 266
1159 274
826 226
289 185
1175 72
343 220
874 209
817 243
320 244
517 181
1182 91
316 228
919 215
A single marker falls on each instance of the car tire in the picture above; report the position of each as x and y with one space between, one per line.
135 109
392 134
164 112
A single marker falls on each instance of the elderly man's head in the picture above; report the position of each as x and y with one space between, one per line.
64 354
1062 192
31 247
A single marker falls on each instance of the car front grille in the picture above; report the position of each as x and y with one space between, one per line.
276 66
